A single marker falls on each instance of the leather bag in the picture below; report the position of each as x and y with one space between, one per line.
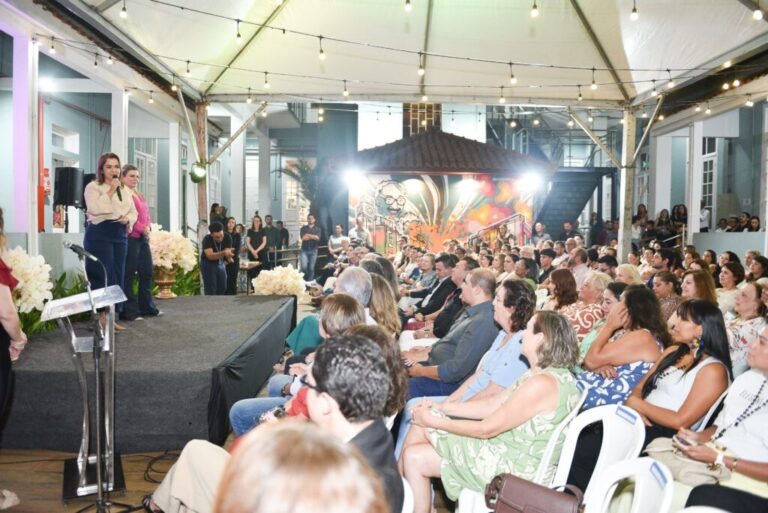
511 494
684 469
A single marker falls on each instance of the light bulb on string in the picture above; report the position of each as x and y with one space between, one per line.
110 60
708 111
698 108
249 100
512 77
671 82
661 117
534 10
590 119
151 99
238 37
749 102
95 60
320 119
453 120
321 53
266 80
634 15
264 109
320 111
174 87
408 6
513 124
726 86
580 97
189 73
423 122
123 11
424 97
501 96
594 84
654 92
570 123
52 49
421 65
35 42
644 115
346 91
536 121
736 83
757 14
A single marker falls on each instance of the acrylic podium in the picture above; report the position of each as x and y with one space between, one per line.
81 474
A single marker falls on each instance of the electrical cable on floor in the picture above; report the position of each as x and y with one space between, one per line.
167 455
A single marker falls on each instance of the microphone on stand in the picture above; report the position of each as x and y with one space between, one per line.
79 250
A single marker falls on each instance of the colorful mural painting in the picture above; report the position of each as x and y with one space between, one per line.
429 209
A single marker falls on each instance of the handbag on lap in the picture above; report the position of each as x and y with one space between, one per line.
511 494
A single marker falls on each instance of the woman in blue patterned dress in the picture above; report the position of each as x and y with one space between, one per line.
629 343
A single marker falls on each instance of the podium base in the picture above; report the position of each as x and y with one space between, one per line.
71 489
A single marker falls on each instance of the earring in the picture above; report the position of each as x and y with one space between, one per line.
695 343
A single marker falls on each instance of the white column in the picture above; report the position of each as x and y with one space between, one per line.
237 173
265 186
119 128
626 185
660 175
695 177
174 176
25 133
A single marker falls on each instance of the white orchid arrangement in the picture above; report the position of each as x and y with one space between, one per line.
171 248
281 281
34 276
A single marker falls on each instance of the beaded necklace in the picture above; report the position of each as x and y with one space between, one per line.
750 410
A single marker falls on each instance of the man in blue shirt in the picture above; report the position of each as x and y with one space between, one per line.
310 240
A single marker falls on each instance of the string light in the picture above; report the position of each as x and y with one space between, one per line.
671 82
634 15
95 60
570 123
513 124
421 64
320 119
661 117
621 121
189 73
123 11
698 108
151 99
346 91
512 78
321 53
266 80
645 114
110 60
580 97
590 119
534 10
536 121
594 84
320 111
424 97
249 100
727 64
749 102
52 49
408 6
174 87
452 118
264 111
726 86
736 83
501 96
757 14
238 38
35 42
423 122
708 111
654 92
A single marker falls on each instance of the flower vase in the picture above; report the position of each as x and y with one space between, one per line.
165 279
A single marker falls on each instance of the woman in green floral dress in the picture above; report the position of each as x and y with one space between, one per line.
467 444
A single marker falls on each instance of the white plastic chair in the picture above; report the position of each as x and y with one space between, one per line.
653 486
702 509
623 437
473 502
407 497
705 420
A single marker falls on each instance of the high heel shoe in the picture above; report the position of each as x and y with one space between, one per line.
103 322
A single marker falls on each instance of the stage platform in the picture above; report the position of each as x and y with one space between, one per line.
176 375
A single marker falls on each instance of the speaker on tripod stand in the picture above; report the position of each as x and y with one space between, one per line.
68 190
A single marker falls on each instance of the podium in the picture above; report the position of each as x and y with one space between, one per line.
81 473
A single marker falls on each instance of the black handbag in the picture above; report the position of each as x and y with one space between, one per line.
511 494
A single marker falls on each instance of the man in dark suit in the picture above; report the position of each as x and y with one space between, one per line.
349 383
433 298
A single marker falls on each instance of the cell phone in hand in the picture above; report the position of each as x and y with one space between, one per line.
684 442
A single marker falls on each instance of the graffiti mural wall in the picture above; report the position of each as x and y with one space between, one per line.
429 209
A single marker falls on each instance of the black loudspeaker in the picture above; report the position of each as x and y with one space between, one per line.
68 187
87 178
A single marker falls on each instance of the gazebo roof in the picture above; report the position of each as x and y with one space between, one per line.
435 151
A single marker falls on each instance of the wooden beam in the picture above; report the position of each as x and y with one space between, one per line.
201 137
600 49
251 39
627 185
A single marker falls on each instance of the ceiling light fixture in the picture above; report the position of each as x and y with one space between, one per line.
594 84
151 99
536 121
321 53
757 14
708 111
95 60
534 10
671 82
346 91
52 49
698 108
110 60
408 6
654 92
580 97
513 124
501 96
421 64
189 73
249 100
736 83
266 80
634 15
749 102
123 11
512 78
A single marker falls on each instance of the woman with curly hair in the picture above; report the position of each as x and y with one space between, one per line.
562 290
666 288
758 268
731 274
744 330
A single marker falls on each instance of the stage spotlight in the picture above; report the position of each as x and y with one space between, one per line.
412 185
355 180
531 182
198 172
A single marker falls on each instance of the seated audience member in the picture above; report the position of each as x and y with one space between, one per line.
525 269
754 224
744 330
423 276
493 263
646 264
740 429
339 312
411 264
539 234
611 298
727 256
508 268
441 369
664 259
698 285
562 290
625 349
432 299
466 444
749 257
546 257
731 274
758 268
578 265
607 264
633 259
584 313
390 274
383 308
665 286
266 466
628 274
722 225
502 365
348 388
422 333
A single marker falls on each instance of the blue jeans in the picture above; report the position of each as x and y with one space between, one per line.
214 277
428 387
138 260
405 422
108 242
246 412
308 259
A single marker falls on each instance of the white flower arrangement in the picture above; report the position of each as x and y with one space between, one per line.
281 281
34 277
171 248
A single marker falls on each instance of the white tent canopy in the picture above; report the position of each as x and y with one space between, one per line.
688 37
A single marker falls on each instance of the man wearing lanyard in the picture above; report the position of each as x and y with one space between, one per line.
216 250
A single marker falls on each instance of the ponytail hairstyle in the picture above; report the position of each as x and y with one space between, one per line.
713 341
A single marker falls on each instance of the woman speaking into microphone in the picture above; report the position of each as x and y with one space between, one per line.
111 216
